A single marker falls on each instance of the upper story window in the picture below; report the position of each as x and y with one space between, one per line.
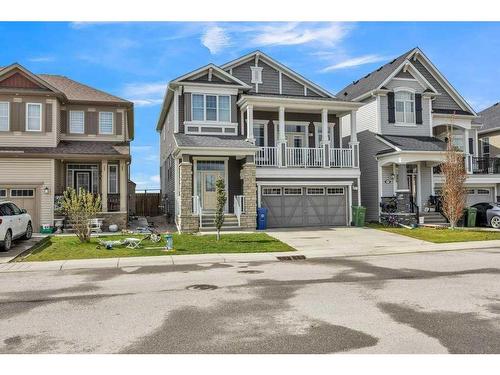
485 145
76 122
34 117
214 108
4 116
405 107
259 133
105 122
256 74
319 134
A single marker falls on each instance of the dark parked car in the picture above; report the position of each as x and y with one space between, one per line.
488 214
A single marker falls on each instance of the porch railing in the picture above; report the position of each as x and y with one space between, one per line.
239 207
267 157
305 157
113 202
485 165
197 208
341 157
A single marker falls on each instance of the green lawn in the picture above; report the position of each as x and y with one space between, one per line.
441 235
62 248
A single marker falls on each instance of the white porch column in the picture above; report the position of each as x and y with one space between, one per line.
354 144
123 186
281 128
242 122
104 185
250 136
468 156
354 132
324 126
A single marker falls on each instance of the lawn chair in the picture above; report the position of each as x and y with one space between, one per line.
133 243
95 225
109 244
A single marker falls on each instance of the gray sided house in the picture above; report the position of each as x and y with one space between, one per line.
57 133
409 109
271 134
489 141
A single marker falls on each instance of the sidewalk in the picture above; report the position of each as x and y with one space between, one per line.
174 260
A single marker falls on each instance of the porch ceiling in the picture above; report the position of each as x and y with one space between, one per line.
408 157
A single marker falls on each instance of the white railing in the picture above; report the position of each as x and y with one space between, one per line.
341 157
304 157
197 209
239 207
267 157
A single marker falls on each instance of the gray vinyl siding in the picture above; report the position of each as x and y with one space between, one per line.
425 184
270 80
402 74
291 87
368 148
184 110
442 101
244 73
167 146
234 186
393 129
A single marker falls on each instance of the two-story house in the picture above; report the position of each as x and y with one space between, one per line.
271 134
57 133
409 110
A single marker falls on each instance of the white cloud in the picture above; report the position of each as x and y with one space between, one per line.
144 181
145 94
42 59
355 61
215 39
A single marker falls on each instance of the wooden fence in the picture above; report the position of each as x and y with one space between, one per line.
148 203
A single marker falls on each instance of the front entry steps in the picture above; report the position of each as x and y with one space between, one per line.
435 219
207 221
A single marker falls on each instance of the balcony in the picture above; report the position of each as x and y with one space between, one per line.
307 157
485 165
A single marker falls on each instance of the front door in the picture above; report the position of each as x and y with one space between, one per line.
295 140
209 197
82 180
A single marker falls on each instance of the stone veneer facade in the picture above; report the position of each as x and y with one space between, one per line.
248 174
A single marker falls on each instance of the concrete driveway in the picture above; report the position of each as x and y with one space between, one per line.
345 241
18 247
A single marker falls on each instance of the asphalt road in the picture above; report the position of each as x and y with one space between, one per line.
445 302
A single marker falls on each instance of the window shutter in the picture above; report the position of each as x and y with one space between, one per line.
391 108
471 146
418 108
64 121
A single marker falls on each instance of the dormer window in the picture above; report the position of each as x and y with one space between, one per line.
405 107
256 74
214 108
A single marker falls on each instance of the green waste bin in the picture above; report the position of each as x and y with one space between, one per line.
358 216
471 216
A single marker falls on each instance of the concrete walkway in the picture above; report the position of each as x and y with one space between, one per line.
312 243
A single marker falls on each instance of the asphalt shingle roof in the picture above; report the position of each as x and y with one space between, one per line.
415 143
188 140
490 117
71 147
372 80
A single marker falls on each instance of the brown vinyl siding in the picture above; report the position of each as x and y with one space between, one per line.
234 112
18 117
119 123
90 123
48 117
64 120
19 81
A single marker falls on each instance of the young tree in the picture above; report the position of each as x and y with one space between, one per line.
80 207
454 194
220 191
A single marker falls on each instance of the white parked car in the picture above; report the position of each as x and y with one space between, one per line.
14 223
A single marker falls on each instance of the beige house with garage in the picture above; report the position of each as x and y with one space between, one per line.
57 133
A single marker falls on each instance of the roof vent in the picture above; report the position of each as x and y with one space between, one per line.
345 93
496 104
367 75
379 69
392 61
354 82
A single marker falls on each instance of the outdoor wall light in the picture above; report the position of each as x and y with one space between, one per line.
46 190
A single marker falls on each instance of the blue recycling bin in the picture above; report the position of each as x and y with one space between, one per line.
261 218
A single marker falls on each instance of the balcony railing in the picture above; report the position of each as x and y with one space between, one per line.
485 165
113 202
305 157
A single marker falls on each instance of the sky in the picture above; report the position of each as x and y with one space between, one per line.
136 60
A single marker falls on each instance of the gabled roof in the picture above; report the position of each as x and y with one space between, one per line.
31 76
413 143
377 78
279 66
210 69
490 118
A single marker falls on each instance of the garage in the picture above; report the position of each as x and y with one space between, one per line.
24 198
302 206
478 195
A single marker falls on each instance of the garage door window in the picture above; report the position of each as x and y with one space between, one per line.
271 191
483 192
293 191
3 193
470 191
22 193
335 191
316 191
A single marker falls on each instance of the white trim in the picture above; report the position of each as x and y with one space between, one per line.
273 172
41 116
419 184
195 177
176 110
405 64
379 114
331 131
394 180
280 82
379 178
112 123
305 90
176 185
205 68
8 117
211 90
348 206
256 77
212 122
69 122
304 183
298 102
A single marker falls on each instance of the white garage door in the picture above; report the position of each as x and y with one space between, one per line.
301 206
24 198
478 195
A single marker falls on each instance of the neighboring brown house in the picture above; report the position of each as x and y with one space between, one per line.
57 133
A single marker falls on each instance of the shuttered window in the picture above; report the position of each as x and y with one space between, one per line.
405 107
76 122
33 117
105 122
4 116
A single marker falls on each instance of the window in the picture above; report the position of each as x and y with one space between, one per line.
319 134
483 192
293 191
405 107
485 144
105 122
22 193
470 191
271 191
335 191
14 209
76 122
112 179
256 74
216 108
33 117
4 116
259 133
315 191
3 193
457 140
